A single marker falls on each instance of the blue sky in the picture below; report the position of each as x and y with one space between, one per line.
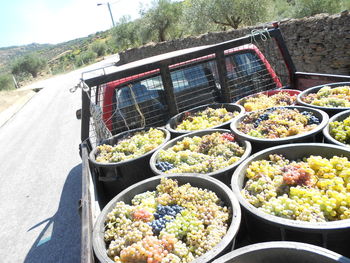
54 21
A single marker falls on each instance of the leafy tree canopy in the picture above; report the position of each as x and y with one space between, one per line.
226 13
126 33
162 19
31 64
312 7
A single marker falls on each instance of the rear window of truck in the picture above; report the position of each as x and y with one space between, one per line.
195 83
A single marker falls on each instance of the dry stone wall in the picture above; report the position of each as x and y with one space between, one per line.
317 44
320 43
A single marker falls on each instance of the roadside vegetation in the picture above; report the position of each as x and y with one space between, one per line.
161 21
6 82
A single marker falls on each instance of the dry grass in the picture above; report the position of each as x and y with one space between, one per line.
11 97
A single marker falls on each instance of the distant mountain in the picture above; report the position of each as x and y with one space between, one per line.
9 54
48 51
24 48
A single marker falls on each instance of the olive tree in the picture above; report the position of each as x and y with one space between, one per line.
226 13
126 33
29 64
162 19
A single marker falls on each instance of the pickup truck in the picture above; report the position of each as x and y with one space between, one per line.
146 93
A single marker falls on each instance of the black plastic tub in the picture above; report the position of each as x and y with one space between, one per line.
262 227
338 117
330 110
115 177
314 135
177 119
224 175
221 190
282 251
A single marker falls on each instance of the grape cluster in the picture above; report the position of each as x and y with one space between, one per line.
263 101
146 199
168 210
164 166
205 119
195 221
228 136
330 97
262 117
311 118
204 154
183 224
277 123
340 130
296 174
164 215
315 189
124 232
150 250
131 147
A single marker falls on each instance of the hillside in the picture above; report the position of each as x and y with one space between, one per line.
9 54
50 52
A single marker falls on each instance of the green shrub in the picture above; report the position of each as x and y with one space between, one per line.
6 82
85 57
99 48
126 33
345 5
57 69
312 7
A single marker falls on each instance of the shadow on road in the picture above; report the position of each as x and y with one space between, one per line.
59 241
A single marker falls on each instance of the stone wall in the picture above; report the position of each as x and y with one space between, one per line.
320 43
317 44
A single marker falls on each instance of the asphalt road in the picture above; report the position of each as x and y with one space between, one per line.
40 171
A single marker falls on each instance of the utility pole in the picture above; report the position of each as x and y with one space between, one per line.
110 12
14 80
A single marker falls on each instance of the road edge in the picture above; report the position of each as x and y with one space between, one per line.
10 112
